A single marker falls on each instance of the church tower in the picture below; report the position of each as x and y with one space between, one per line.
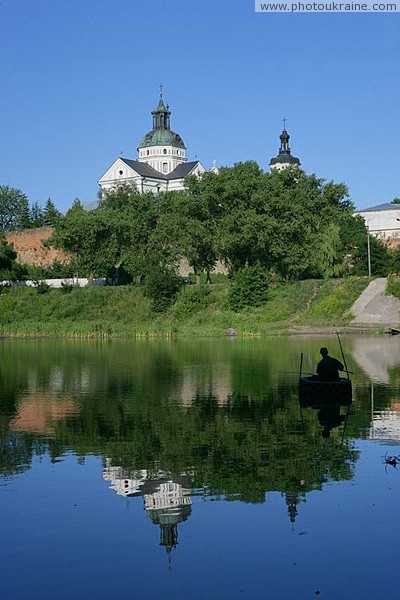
162 148
284 158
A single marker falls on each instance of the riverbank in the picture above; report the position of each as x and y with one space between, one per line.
124 311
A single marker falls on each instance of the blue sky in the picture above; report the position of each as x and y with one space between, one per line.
80 78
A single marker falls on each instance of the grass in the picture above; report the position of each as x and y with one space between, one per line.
197 311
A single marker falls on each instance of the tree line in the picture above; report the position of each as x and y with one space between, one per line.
284 225
294 225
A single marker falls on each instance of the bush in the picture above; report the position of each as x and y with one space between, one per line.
393 286
56 270
249 288
162 286
41 286
191 300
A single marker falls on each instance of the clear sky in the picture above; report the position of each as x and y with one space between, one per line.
79 79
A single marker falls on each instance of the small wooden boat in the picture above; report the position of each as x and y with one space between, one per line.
315 393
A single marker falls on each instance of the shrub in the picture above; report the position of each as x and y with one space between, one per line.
162 286
393 286
191 300
42 287
249 287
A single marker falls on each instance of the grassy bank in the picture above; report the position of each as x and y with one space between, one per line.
197 310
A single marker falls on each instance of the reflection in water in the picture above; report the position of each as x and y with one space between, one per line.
167 501
38 412
172 423
221 418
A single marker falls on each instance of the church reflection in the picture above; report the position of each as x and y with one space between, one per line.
167 500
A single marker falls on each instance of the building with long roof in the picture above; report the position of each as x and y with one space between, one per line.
161 164
382 220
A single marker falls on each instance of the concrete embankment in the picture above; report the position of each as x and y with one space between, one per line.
374 308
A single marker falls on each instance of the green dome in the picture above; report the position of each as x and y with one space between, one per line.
162 137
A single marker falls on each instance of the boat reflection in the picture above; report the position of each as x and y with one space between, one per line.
327 398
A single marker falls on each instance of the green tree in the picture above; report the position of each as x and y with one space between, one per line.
186 229
36 216
90 236
51 214
287 221
7 258
162 285
14 209
249 287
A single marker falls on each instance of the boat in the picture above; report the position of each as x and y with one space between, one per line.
315 393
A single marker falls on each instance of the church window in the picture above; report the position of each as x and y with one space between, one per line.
148 152
121 172
165 167
165 151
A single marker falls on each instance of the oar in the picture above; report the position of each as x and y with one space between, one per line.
301 411
304 372
344 359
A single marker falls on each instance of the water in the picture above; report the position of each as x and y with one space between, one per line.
187 469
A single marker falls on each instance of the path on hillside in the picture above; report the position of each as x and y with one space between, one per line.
374 308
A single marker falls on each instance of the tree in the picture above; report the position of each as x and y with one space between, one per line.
14 209
51 215
287 221
239 229
88 235
186 229
249 287
36 216
7 258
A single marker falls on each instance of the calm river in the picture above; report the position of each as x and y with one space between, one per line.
187 469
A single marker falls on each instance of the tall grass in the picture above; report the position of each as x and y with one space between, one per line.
97 312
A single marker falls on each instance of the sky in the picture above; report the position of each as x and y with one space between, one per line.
79 79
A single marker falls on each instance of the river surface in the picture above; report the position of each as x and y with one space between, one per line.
188 469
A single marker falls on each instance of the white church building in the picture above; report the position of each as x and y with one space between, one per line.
161 164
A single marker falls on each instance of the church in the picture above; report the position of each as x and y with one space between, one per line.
161 164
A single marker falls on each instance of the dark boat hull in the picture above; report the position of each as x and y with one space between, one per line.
315 393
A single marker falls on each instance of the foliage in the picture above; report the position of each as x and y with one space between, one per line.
36 216
287 221
124 311
14 209
42 287
161 286
51 215
249 287
56 270
7 258
191 300
393 286
186 229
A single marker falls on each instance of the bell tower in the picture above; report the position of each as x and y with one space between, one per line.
284 158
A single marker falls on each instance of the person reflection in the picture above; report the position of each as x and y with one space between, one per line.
329 417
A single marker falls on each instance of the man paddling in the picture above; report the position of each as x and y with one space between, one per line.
328 368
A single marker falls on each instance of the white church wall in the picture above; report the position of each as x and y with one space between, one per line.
159 155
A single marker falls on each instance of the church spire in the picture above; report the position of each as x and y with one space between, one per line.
284 158
162 114
284 137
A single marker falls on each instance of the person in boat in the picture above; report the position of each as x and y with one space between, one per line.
328 368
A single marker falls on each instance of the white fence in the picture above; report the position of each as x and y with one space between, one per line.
57 283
